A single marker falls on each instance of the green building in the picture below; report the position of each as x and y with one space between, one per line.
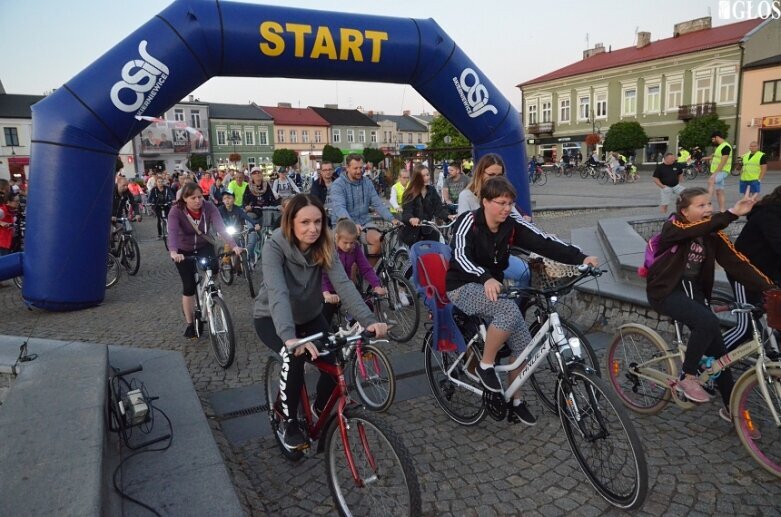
244 129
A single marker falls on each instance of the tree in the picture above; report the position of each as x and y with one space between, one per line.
118 165
409 151
370 154
698 131
332 154
441 128
625 137
234 157
284 157
197 161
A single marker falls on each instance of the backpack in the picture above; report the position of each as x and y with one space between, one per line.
652 253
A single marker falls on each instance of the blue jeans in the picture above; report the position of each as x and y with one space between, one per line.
753 186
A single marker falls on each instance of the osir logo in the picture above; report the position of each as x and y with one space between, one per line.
473 94
140 76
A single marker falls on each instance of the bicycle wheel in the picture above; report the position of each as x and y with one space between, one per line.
568 171
221 334
458 402
603 439
18 282
401 263
113 271
583 171
558 170
249 275
400 309
692 173
271 381
544 379
632 346
226 270
374 380
602 177
541 179
131 255
387 482
754 421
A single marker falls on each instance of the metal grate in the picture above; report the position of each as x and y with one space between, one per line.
254 410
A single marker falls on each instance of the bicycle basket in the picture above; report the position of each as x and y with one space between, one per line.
548 274
773 308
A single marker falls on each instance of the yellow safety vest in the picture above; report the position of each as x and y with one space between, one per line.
751 166
684 157
714 163
398 191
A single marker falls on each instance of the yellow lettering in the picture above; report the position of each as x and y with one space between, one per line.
324 44
299 31
376 37
351 42
270 31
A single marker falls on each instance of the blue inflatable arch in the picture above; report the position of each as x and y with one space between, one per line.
79 129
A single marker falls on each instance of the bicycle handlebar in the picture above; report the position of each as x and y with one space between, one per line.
329 342
737 308
585 270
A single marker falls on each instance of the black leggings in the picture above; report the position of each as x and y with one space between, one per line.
705 338
292 375
187 267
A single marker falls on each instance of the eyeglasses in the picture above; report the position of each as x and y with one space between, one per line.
503 206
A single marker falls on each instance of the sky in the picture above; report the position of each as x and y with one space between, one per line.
47 42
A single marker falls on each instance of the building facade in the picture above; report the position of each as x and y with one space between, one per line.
243 129
299 129
760 108
350 130
399 131
661 84
16 121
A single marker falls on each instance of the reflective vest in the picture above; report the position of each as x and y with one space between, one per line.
398 191
683 156
714 163
751 166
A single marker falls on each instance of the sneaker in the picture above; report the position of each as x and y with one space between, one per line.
693 390
521 414
293 437
404 299
189 332
489 379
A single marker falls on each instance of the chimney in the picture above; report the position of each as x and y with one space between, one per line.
284 105
331 106
686 27
643 39
192 98
370 113
405 113
599 48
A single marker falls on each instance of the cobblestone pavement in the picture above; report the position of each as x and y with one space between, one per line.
697 466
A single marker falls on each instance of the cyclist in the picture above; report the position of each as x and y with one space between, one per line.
617 163
238 187
679 282
8 214
216 191
421 202
206 182
161 197
189 224
453 184
123 201
346 235
481 250
284 186
321 187
258 195
236 217
397 192
289 304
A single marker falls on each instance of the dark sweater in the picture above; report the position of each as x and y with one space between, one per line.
760 240
424 208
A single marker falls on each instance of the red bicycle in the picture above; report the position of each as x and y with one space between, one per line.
367 465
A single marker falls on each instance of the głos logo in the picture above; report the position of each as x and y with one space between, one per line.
140 76
473 94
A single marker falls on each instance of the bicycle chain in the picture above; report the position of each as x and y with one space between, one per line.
495 405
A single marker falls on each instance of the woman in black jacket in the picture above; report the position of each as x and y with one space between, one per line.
421 203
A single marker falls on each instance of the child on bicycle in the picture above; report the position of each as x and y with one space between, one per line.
234 216
481 251
680 281
350 254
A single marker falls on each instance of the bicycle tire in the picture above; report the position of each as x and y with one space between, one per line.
541 179
376 386
131 256
248 275
223 338
271 378
113 271
402 319
692 174
18 282
226 271
584 172
401 263
543 380
459 404
602 177
749 410
594 425
735 172
558 170
568 172
633 345
382 462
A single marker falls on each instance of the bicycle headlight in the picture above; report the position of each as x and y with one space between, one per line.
231 230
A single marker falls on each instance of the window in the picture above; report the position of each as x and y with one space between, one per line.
386 137
629 104
350 136
280 136
420 138
600 103
564 110
179 115
409 138
305 136
727 84
235 137
771 92
221 137
532 114
251 162
702 89
263 137
546 111
674 95
653 94
195 119
336 135
11 136
293 136
584 107
318 137
373 136
249 137
362 136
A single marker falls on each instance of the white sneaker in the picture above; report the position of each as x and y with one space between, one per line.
404 299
